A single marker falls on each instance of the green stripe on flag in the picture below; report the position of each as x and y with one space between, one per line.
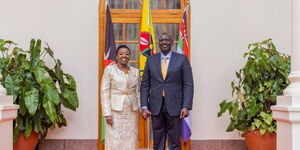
102 129
180 43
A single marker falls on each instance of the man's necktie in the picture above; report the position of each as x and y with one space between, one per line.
164 70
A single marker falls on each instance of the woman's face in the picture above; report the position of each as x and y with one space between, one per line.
123 56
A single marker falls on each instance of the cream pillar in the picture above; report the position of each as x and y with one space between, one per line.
287 110
8 112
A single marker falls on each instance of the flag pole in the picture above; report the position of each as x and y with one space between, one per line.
148 121
147 48
148 130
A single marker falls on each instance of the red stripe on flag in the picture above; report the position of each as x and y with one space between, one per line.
184 35
108 61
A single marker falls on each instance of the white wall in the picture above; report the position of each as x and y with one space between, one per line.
71 29
221 32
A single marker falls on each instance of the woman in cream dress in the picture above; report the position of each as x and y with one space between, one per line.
120 100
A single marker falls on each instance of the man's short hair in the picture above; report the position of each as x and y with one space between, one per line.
169 35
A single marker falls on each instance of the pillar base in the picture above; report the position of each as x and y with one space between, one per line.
287 115
8 111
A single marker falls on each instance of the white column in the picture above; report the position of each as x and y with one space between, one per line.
8 111
287 110
294 88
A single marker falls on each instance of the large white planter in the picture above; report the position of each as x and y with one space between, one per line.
8 111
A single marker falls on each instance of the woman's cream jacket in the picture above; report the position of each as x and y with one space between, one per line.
116 86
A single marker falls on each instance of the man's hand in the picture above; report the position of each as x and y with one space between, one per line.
109 120
146 113
184 113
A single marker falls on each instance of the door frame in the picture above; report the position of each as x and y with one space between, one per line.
134 16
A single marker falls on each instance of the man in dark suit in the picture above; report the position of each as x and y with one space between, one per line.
168 81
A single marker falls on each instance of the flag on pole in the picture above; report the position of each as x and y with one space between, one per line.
183 45
147 41
109 55
183 48
110 46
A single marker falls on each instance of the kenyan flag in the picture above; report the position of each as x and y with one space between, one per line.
183 48
183 45
109 56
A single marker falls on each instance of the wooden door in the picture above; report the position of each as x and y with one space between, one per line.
126 18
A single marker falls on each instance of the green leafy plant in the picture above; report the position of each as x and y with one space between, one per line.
40 91
260 81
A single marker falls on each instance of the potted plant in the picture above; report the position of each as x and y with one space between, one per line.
39 90
264 76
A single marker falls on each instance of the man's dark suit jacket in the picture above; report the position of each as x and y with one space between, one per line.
178 85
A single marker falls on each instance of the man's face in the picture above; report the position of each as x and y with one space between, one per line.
165 43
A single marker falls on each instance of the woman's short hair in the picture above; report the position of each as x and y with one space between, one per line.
122 46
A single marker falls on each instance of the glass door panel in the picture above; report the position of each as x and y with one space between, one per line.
118 30
129 37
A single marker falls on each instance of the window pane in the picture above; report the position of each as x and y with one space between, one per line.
133 64
118 44
174 47
156 4
134 50
132 4
173 4
173 29
132 32
118 31
116 4
158 30
157 48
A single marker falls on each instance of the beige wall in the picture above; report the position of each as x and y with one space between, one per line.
221 31
71 29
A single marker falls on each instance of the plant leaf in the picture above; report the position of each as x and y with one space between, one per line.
223 107
252 109
32 100
37 124
49 50
35 50
16 133
66 104
12 85
58 71
262 131
50 109
28 127
71 97
230 127
71 81
22 107
40 73
61 120
239 126
51 93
